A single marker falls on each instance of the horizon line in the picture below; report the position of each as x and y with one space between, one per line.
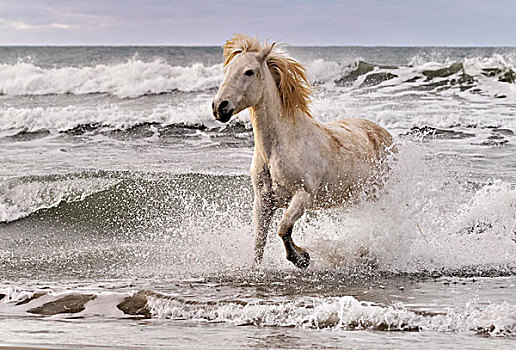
289 45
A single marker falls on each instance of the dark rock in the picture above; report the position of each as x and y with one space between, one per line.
362 68
196 126
136 305
25 135
377 78
504 76
81 129
431 86
502 131
388 67
491 142
234 128
142 130
411 80
465 81
491 72
28 300
180 129
508 77
72 303
443 72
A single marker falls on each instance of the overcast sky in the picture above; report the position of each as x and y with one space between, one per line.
301 22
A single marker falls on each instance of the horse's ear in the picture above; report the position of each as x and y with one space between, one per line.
262 56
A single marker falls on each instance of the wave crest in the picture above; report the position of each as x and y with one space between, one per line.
336 313
342 313
21 197
131 79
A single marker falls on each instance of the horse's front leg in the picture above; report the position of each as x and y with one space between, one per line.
262 212
264 206
298 256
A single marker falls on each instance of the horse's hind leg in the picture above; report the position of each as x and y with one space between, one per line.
298 256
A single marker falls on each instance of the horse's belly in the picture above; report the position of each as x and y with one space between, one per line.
333 195
337 190
327 196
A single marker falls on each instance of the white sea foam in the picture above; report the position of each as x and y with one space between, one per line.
65 118
14 294
131 79
196 110
425 220
325 71
336 313
135 78
342 313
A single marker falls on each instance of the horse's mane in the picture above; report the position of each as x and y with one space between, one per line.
289 75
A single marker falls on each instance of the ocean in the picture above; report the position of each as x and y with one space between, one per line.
125 208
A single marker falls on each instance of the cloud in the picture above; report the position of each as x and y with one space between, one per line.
24 26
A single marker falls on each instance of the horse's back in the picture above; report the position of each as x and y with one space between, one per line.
376 140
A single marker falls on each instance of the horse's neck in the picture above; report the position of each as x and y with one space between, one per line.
270 127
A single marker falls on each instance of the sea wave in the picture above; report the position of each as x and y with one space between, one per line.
102 194
131 79
342 313
195 113
426 220
335 313
14 120
136 78
23 196
436 94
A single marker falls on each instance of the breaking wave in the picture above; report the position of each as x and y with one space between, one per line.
131 79
335 313
136 78
21 197
345 313
73 118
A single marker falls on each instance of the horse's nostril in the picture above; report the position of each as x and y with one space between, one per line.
213 105
223 104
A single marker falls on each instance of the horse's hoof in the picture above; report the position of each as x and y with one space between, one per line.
300 259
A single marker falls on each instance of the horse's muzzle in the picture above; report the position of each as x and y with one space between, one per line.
222 112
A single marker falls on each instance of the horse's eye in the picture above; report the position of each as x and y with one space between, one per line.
249 72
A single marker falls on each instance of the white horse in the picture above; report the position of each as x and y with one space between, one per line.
298 162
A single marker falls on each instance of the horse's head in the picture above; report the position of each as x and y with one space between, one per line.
250 69
243 84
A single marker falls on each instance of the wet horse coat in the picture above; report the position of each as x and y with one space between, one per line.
298 163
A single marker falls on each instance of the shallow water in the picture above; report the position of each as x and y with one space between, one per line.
125 209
